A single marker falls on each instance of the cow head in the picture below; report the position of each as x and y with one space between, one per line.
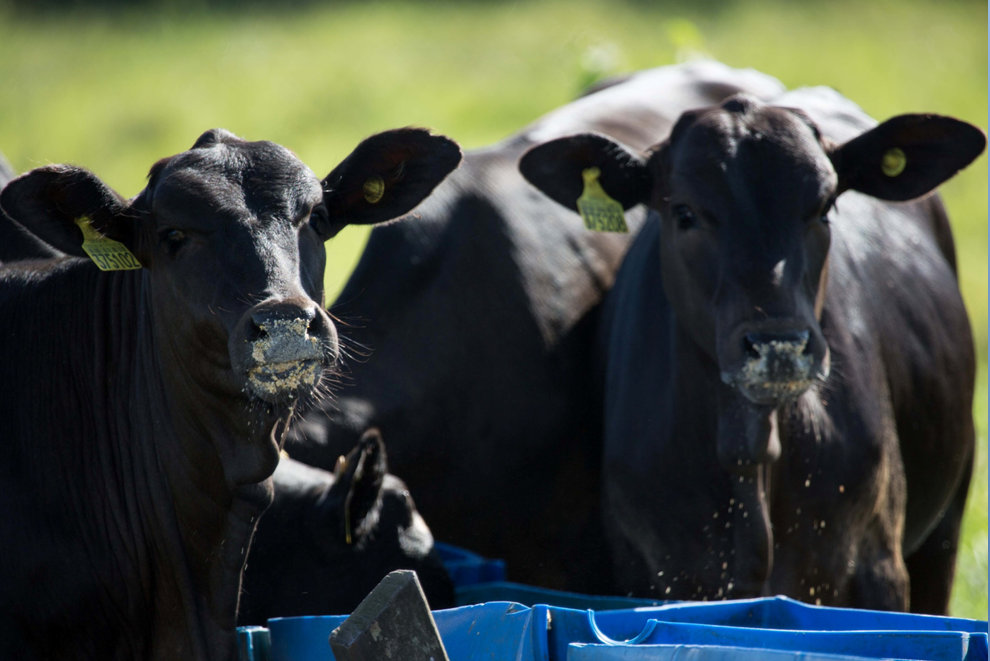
744 191
367 518
327 540
230 237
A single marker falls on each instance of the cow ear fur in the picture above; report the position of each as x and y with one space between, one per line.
47 201
352 504
906 156
386 176
556 168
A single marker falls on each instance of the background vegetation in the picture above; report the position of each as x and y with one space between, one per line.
116 87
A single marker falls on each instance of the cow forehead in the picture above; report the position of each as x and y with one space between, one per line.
242 180
753 148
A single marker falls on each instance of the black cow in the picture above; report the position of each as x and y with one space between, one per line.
329 538
477 321
143 409
789 366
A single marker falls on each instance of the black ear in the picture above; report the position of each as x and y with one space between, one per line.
354 500
906 156
386 176
556 168
48 201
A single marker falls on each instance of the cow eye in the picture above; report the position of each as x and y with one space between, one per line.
172 239
319 220
829 206
684 216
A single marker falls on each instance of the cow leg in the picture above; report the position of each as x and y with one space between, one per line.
932 565
880 580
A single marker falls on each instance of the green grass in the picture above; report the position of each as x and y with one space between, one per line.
115 90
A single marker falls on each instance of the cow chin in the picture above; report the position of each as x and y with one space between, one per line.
283 382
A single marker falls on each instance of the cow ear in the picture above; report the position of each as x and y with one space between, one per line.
386 176
49 201
557 168
354 501
906 156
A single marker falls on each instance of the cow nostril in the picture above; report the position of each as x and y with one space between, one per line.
756 345
800 339
255 330
317 324
749 346
284 317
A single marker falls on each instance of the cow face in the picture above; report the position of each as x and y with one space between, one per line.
230 237
743 191
235 264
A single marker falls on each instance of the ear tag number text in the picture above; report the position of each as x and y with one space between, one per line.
107 254
600 212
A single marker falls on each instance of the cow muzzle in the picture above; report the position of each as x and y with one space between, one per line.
773 366
281 348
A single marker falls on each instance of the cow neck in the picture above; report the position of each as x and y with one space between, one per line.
193 484
746 443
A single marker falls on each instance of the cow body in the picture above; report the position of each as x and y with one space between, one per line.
475 325
144 408
329 538
788 385
103 559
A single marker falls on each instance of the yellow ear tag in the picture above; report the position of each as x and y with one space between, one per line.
374 189
600 212
107 254
894 161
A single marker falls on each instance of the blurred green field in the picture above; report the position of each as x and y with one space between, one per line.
115 89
